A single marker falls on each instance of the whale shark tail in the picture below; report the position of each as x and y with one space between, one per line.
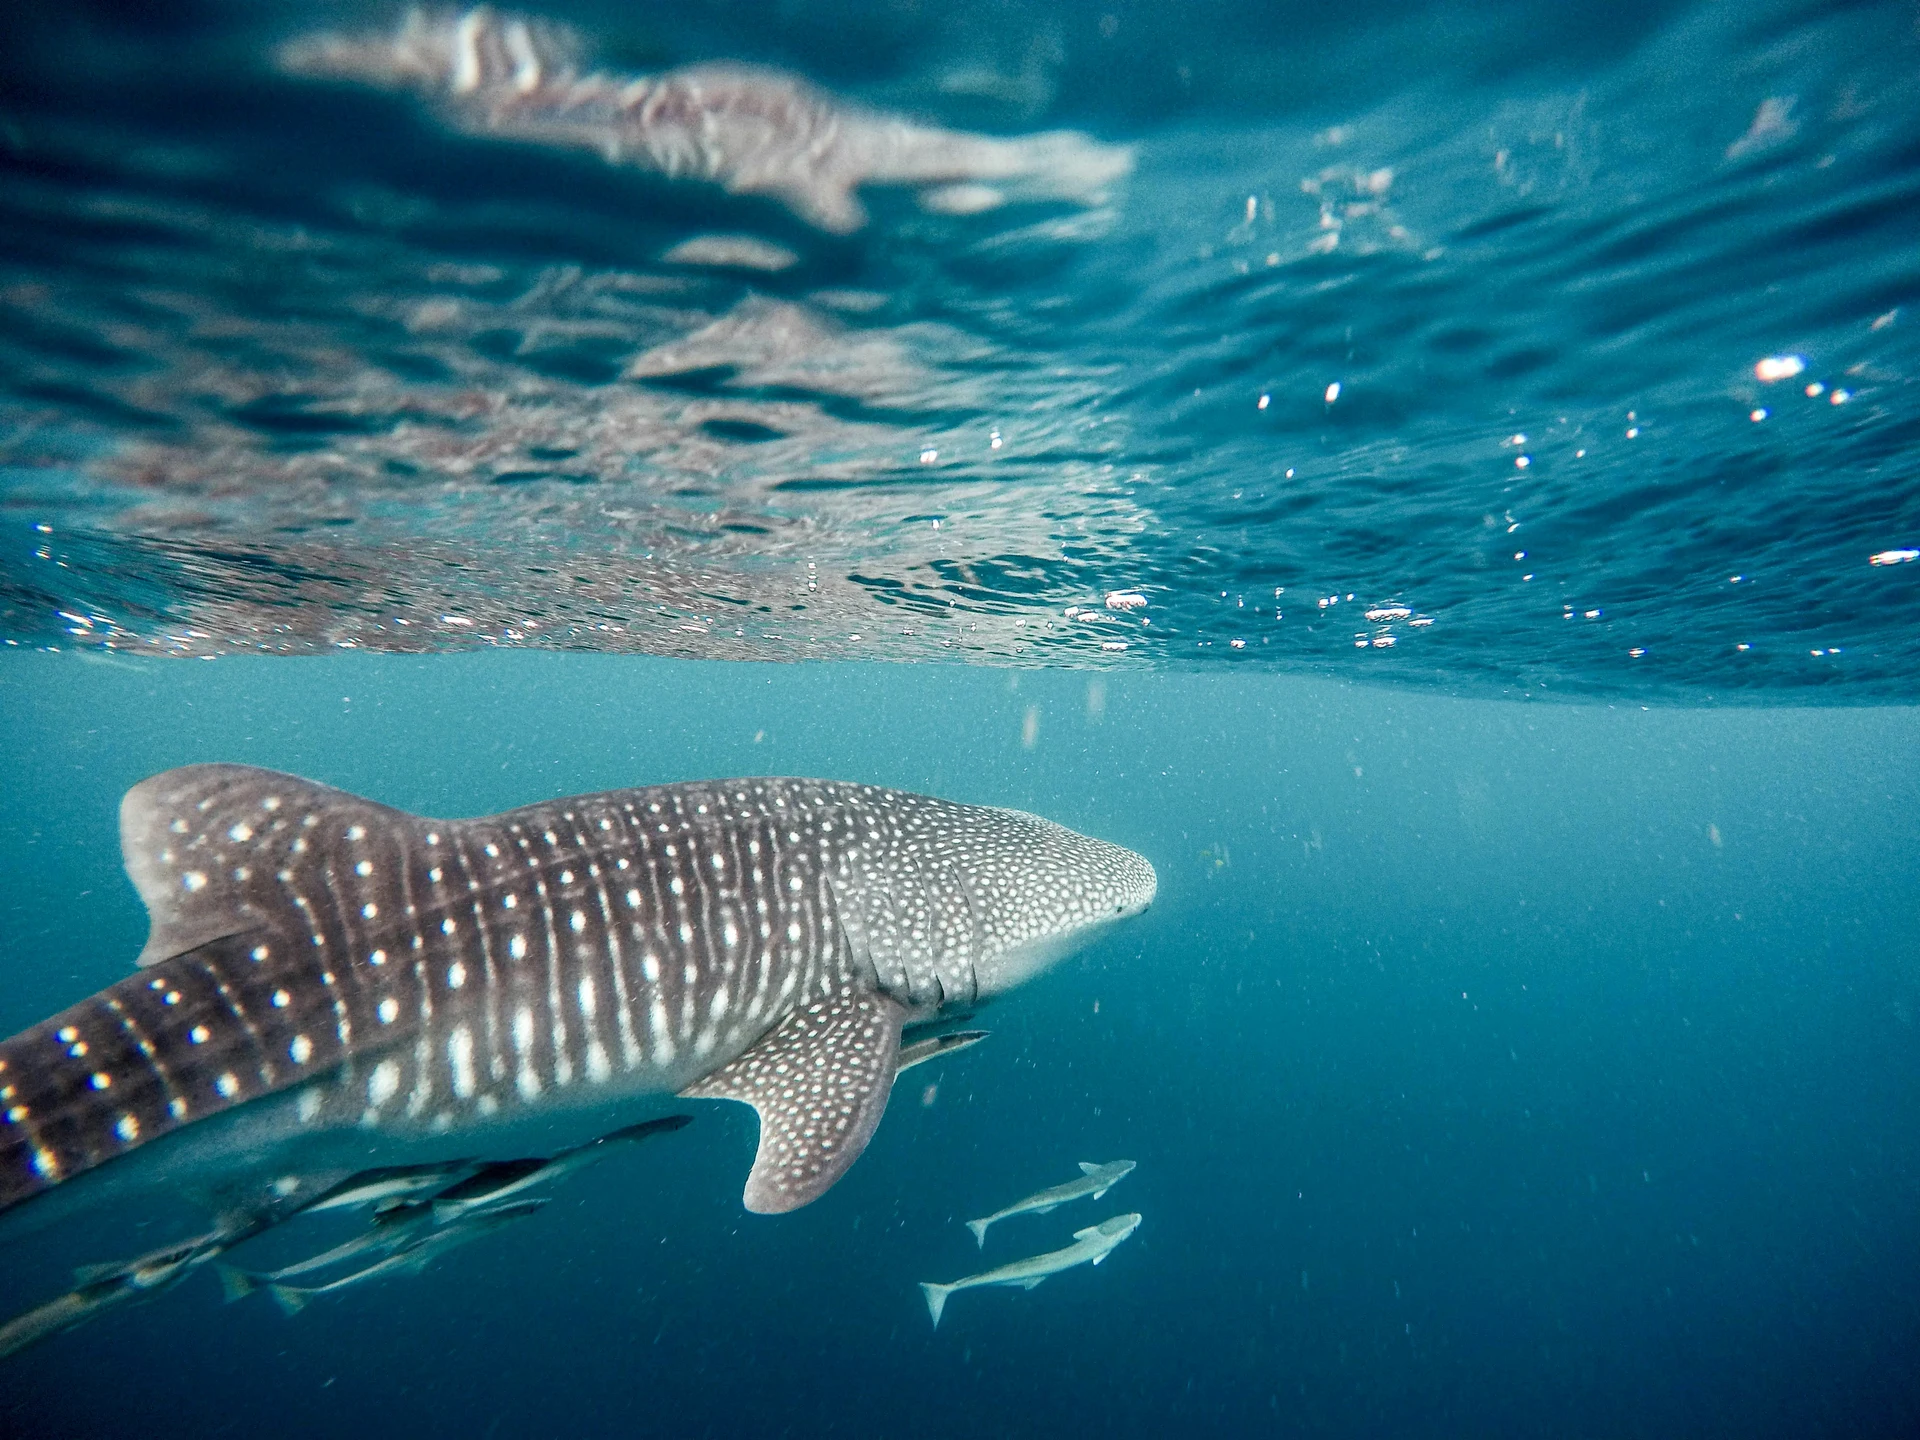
936 1299
979 1228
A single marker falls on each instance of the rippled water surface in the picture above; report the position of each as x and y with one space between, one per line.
1494 346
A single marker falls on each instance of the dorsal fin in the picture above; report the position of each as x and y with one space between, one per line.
204 843
820 1082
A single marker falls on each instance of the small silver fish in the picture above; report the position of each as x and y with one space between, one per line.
387 1183
493 1183
389 1230
76 1307
1090 1246
1095 1180
414 1256
104 1287
921 1051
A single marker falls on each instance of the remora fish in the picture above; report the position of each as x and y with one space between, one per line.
414 1256
1090 1246
103 1287
331 980
399 1220
921 1051
387 1184
387 1231
491 1184
1095 1180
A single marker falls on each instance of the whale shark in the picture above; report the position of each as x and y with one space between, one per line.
330 983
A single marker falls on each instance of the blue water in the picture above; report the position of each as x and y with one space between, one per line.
1473 1086
1450 310
1453 505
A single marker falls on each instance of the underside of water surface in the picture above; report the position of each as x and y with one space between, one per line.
1480 347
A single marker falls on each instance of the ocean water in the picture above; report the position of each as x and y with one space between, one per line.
1473 1085
1439 481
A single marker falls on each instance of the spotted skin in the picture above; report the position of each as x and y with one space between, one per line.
415 976
820 1083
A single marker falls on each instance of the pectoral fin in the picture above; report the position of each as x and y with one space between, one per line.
1029 1284
820 1084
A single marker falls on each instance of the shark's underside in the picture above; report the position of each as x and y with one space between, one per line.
340 968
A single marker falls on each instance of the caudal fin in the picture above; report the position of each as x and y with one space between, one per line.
220 854
291 1297
979 1228
936 1299
235 1283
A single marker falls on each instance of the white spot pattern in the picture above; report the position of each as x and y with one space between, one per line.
735 902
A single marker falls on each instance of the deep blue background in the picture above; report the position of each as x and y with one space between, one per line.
1477 1091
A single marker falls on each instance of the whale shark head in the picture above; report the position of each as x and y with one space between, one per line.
1046 892
948 901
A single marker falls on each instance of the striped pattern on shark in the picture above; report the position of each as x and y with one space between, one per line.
760 940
